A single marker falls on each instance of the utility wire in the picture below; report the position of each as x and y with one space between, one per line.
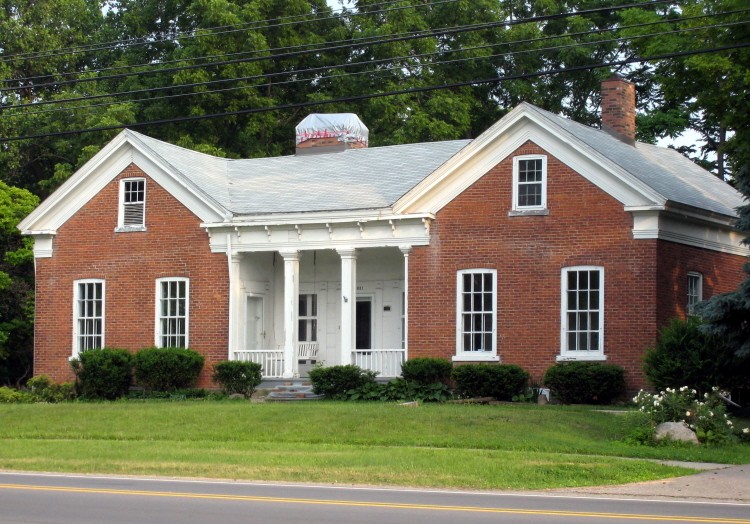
199 32
348 44
350 74
356 98
372 62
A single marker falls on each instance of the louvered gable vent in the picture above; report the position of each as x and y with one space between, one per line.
134 203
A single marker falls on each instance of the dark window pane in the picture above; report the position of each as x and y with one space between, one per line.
594 299
583 300
572 302
572 280
572 342
583 342
594 280
583 279
595 340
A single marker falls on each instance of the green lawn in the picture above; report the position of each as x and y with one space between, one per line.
516 446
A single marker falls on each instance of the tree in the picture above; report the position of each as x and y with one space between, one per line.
728 315
16 285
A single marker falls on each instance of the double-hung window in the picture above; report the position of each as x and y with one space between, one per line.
694 291
530 183
132 213
476 315
88 315
172 312
582 331
308 317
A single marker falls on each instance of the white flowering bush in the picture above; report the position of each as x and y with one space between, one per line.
705 415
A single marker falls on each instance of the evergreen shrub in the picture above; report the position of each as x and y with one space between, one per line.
167 369
335 381
684 355
103 374
238 377
425 371
499 381
585 382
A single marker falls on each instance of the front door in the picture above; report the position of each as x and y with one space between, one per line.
364 323
254 330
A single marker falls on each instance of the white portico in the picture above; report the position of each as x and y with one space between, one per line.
333 291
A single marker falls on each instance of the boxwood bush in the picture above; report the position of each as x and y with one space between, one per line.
335 381
238 377
585 382
426 371
167 369
103 373
500 381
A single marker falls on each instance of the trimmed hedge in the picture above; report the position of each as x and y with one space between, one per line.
585 382
238 377
103 373
425 371
500 381
336 381
167 369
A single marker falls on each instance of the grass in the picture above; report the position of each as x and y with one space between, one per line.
467 446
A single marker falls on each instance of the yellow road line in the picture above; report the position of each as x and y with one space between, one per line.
392 505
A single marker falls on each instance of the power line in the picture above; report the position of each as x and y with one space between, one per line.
145 40
356 98
325 68
352 44
259 27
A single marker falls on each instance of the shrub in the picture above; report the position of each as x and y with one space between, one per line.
335 381
238 377
426 371
103 373
686 356
500 381
13 396
44 390
400 390
585 382
167 369
706 416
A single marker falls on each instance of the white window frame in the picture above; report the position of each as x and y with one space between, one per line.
121 226
694 298
516 183
76 317
475 356
157 310
310 320
565 354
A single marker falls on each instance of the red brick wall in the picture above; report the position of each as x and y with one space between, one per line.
585 226
721 272
86 246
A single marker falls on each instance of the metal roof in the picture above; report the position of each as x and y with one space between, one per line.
377 177
664 170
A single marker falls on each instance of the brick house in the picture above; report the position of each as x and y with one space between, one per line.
542 240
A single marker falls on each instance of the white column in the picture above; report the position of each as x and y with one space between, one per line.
291 313
235 301
348 303
406 250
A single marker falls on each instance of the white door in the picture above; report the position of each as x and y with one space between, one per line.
255 332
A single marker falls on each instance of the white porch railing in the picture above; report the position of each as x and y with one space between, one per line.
387 362
271 360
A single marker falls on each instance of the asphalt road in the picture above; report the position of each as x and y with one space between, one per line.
62 499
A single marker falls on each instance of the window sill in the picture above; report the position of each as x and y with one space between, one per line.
464 357
528 212
568 357
129 229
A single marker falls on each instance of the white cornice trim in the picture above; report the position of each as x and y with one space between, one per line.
90 179
322 218
507 135
707 232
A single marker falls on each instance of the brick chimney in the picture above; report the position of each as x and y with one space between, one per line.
329 133
618 108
